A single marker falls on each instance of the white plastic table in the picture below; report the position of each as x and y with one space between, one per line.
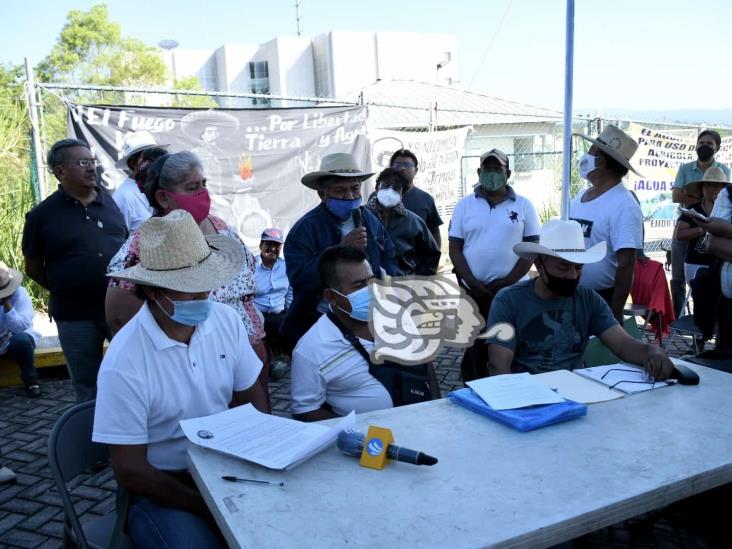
493 486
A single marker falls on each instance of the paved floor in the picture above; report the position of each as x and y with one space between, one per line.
31 513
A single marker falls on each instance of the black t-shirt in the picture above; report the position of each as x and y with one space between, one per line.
76 244
420 202
695 252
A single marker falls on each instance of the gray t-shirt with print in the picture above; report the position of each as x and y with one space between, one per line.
551 334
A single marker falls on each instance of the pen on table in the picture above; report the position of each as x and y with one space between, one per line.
238 479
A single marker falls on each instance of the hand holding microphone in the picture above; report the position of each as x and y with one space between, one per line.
358 236
351 443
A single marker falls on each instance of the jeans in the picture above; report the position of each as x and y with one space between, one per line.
153 526
277 342
678 280
20 348
82 343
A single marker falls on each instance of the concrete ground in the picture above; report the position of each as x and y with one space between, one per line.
31 514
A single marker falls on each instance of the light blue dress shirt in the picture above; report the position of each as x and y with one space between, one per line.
273 292
17 320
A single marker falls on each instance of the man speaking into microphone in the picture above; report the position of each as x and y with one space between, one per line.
340 218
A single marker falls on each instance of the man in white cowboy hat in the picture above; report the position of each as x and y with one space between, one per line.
708 143
609 213
17 337
553 317
131 202
338 219
181 356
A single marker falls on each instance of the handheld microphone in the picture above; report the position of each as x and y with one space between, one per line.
357 217
351 443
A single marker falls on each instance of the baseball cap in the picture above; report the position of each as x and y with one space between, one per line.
497 154
273 235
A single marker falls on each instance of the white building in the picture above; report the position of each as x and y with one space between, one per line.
328 65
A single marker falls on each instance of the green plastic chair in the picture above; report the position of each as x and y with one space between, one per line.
597 354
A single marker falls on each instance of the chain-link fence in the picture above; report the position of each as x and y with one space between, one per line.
530 136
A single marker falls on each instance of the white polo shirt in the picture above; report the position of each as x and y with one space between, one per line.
614 217
149 382
489 232
132 203
326 368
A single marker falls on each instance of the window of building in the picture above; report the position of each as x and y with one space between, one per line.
259 81
524 159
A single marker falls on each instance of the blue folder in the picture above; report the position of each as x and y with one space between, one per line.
521 419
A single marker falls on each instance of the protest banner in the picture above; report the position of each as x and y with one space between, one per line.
253 159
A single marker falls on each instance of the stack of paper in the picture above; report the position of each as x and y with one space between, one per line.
271 441
508 392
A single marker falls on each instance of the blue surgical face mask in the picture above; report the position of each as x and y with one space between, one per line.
360 301
341 207
190 313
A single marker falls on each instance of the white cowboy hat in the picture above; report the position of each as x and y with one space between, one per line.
174 254
335 164
713 174
618 144
562 239
10 280
133 143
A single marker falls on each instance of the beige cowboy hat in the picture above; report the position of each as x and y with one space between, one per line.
335 164
713 174
194 123
133 143
174 254
618 144
563 239
10 280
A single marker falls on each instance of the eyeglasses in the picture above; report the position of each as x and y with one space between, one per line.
399 165
84 163
648 378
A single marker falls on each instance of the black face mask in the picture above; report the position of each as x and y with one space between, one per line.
565 287
705 152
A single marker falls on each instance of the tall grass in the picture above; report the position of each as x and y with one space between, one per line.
16 193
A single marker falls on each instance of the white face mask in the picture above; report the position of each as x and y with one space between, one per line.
586 165
388 197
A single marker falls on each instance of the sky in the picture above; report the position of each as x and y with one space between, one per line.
629 54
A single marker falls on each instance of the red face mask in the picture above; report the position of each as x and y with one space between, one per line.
197 204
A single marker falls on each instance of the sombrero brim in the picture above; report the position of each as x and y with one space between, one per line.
694 188
529 250
225 261
612 152
122 162
312 180
16 279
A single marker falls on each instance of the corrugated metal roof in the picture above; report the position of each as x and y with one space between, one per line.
407 104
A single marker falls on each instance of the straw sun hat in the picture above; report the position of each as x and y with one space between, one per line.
174 254
618 144
10 280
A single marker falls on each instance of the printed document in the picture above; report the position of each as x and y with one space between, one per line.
511 391
271 441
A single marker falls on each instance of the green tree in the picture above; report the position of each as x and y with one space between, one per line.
92 50
191 83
